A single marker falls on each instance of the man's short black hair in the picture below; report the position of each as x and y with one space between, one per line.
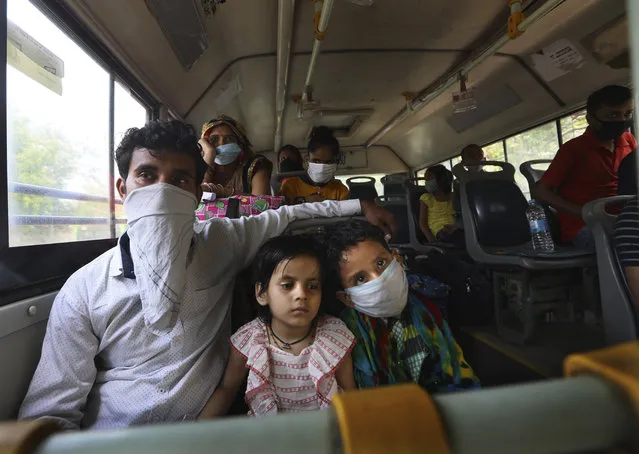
339 238
610 95
468 149
160 137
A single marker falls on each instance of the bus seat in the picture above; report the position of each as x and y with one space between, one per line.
394 184
277 178
398 207
532 174
619 318
497 236
362 190
413 193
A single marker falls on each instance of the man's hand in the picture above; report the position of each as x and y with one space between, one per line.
380 217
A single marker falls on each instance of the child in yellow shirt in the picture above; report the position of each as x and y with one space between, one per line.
320 183
437 211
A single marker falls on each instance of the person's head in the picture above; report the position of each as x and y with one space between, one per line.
160 152
439 178
229 138
290 159
323 147
472 154
609 112
323 155
363 271
288 278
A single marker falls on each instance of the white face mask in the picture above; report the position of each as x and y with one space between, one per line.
321 173
160 220
384 297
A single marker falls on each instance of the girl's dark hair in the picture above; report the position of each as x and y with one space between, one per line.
322 136
278 250
443 176
338 239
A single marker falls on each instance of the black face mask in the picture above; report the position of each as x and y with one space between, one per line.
611 130
290 165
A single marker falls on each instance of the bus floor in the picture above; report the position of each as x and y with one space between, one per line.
498 362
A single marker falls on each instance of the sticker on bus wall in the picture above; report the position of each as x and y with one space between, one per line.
557 59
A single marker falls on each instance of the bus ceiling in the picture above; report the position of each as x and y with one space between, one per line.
270 63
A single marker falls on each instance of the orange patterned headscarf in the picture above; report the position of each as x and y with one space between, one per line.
236 127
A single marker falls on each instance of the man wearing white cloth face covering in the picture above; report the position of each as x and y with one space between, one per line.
140 335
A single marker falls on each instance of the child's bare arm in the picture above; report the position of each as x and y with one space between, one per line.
222 398
344 374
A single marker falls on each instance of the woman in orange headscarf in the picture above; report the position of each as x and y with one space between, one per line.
233 167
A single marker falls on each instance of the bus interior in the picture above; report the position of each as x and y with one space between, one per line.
404 84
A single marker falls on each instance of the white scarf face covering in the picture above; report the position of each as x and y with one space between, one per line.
160 220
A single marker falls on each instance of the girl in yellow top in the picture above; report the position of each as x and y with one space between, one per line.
320 183
437 212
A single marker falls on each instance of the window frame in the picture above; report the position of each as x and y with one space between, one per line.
26 271
556 120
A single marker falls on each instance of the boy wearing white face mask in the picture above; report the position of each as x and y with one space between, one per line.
320 183
401 335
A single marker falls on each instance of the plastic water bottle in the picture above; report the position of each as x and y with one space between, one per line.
539 229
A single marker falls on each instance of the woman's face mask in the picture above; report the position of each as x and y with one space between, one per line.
431 186
290 165
321 173
383 297
227 153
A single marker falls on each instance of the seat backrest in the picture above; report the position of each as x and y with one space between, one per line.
498 212
532 174
619 317
394 184
480 171
364 189
398 207
413 193
277 178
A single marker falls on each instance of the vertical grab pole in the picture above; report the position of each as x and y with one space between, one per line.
111 156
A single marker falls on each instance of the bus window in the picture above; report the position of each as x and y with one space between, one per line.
541 142
58 137
573 125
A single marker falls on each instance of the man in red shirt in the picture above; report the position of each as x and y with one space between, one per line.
585 168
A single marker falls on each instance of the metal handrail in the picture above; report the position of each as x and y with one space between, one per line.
32 189
60 220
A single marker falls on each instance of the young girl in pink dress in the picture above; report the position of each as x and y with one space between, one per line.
296 358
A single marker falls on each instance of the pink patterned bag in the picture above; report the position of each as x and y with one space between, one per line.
236 206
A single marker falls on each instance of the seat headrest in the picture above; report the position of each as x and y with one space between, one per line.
466 173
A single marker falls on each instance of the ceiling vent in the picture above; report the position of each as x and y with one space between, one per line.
490 103
344 123
609 44
183 28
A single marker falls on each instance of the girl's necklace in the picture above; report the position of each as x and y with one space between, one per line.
287 345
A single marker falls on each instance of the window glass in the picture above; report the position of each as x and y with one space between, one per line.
495 151
57 139
128 113
573 125
454 161
537 143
